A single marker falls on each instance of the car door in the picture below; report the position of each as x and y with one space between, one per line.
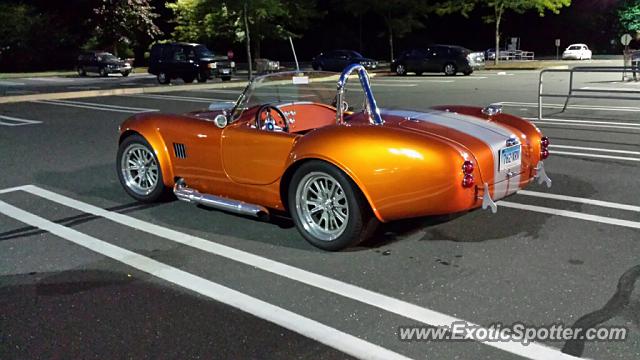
254 156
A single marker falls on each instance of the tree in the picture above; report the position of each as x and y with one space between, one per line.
123 21
400 16
498 9
629 15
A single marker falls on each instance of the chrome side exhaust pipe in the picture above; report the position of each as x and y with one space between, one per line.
184 193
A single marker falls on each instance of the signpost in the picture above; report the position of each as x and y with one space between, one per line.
557 49
626 40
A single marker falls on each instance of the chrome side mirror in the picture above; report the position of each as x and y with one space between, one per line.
221 121
492 110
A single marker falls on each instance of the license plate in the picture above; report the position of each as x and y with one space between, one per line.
225 71
510 157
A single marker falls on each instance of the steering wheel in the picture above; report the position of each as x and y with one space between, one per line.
266 121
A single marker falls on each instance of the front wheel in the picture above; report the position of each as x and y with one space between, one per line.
401 70
125 73
226 78
81 71
202 78
163 78
327 207
139 170
104 72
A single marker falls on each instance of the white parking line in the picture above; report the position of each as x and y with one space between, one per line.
14 121
578 107
544 122
50 79
596 149
609 89
580 200
387 303
586 121
177 98
312 329
11 83
571 214
95 106
569 153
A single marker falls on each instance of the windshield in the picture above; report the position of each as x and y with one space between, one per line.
575 47
318 87
108 57
203 52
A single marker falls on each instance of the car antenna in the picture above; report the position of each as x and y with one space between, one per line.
294 54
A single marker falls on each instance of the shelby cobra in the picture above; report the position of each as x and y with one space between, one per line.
285 146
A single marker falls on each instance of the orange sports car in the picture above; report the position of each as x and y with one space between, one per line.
327 155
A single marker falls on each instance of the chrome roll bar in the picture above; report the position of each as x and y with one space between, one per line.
372 107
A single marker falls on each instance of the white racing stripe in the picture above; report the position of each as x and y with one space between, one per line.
96 106
580 200
387 303
571 214
599 156
312 329
596 149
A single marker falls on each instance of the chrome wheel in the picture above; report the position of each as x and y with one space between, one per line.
139 169
400 70
450 69
322 206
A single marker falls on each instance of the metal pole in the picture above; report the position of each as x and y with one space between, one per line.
540 95
566 102
294 54
246 25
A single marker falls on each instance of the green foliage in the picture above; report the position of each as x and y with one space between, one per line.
208 20
500 6
629 15
120 21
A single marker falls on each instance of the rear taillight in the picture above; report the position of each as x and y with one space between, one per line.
467 170
544 147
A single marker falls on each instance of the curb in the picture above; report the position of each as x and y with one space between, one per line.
113 92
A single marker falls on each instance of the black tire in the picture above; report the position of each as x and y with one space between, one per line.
163 78
226 78
401 70
450 69
82 71
155 192
188 79
125 73
360 221
419 73
103 72
467 73
202 78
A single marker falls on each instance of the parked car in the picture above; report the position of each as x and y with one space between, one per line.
265 66
337 60
577 52
287 146
103 63
189 62
490 54
448 59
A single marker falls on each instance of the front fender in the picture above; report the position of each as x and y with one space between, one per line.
146 126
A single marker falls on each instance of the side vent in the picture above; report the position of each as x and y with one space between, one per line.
180 151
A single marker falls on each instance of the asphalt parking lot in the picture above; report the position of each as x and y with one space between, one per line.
85 272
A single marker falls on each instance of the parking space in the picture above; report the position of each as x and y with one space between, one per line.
195 281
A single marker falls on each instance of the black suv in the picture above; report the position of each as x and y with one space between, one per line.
447 59
337 60
188 62
102 63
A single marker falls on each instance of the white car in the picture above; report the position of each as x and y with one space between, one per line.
577 52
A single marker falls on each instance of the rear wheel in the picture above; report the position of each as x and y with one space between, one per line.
188 79
327 207
139 170
226 78
202 78
401 70
467 73
163 78
450 69
104 72
125 73
82 71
